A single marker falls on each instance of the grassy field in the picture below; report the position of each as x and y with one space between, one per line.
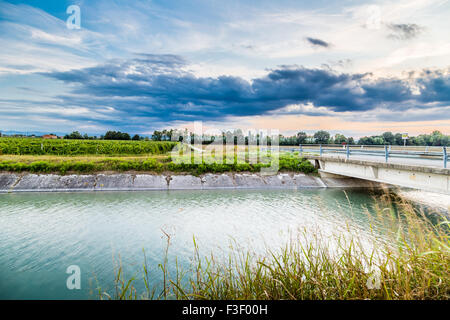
80 156
413 263
38 146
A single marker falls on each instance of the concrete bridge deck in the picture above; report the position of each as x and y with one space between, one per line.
418 173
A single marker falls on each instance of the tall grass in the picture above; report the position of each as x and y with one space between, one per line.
412 263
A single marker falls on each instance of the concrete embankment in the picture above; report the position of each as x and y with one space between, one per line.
10 182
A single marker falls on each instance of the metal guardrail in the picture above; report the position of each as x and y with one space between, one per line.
386 151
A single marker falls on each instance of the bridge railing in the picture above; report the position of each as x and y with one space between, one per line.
386 151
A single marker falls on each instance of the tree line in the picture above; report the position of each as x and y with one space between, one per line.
164 135
436 138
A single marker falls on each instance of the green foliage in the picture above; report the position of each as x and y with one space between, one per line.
435 139
301 137
74 135
116 135
293 163
286 163
36 146
322 137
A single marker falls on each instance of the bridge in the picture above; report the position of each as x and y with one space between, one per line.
422 168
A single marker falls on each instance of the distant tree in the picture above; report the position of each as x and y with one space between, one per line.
339 138
322 137
350 140
110 135
438 139
167 134
116 135
388 137
86 136
136 137
73 135
301 137
378 140
398 139
157 135
365 141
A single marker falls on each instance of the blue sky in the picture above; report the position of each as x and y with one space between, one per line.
355 67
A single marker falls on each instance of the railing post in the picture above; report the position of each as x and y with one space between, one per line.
301 149
321 151
444 153
348 151
386 153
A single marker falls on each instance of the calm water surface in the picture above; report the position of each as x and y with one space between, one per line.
44 233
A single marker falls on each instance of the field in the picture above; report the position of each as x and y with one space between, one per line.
87 156
37 146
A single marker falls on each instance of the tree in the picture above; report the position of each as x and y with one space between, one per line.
350 140
113 135
73 135
157 135
136 137
378 140
438 139
321 137
366 141
339 138
388 137
398 139
301 137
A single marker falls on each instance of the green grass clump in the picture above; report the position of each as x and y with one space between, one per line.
412 263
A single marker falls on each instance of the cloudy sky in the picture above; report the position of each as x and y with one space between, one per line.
354 67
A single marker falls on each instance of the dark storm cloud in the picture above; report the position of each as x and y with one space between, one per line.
318 43
158 87
404 31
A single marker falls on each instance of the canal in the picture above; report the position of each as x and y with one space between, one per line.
45 233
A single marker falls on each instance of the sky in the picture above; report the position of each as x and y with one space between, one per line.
353 67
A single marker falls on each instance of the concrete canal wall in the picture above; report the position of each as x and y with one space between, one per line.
10 182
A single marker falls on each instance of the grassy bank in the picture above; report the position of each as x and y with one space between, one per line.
153 164
413 263
90 156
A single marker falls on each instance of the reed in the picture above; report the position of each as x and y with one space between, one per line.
413 263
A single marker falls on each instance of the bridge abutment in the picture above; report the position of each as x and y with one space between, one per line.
417 177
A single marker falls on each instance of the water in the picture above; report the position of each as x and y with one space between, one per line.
44 233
